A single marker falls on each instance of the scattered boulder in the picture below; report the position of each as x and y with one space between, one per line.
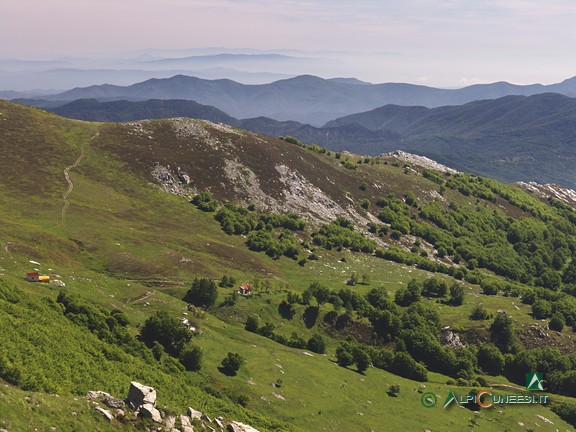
120 414
452 339
170 422
96 394
113 402
240 427
140 394
147 410
107 414
185 421
193 413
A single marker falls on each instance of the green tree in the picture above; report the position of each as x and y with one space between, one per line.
343 356
456 294
319 292
405 366
191 358
434 287
267 330
252 323
541 309
232 363
361 358
172 334
502 332
393 390
557 322
316 344
410 294
203 293
490 359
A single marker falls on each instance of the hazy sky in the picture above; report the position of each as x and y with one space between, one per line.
445 42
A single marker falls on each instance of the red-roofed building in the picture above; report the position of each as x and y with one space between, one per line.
245 289
33 277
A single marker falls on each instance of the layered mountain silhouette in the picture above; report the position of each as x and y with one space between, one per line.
306 98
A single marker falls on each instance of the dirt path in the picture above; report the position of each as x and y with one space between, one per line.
66 172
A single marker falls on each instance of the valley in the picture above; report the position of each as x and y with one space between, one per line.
332 244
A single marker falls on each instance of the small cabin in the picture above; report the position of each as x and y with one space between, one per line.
35 277
245 289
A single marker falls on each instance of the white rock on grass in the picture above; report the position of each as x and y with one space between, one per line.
148 411
140 394
191 412
107 414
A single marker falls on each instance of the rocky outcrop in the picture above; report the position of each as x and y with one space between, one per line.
140 394
113 402
174 183
105 413
142 399
96 394
240 427
148 411
191 412
417 160
546 191
452 339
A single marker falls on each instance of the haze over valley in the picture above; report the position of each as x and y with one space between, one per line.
247 216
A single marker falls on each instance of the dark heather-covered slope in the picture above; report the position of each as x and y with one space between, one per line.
308 99
514 138
118 111
335 138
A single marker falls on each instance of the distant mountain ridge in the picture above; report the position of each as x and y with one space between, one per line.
514 138
305 98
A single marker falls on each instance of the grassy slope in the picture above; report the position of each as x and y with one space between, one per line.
118 235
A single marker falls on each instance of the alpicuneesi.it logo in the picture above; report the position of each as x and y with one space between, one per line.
486 399
534 381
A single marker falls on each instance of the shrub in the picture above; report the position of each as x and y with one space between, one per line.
361 358
191 358
489 288
541 309
252 323
393 390
456 294
434 287
232 363
166 330
203 293
410 294
343 356
565 411
479 313
267 330
316 344
490 359
405 366
557 322
205 202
